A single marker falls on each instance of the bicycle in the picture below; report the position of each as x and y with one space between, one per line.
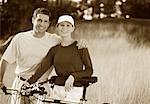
40 90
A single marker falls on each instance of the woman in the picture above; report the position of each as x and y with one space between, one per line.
69 61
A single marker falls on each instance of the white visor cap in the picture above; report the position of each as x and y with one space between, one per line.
66 18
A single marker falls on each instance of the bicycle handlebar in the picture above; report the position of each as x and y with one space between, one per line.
26 91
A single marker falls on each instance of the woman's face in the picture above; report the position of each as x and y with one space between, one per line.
65 29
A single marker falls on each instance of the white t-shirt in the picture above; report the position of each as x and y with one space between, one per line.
27 51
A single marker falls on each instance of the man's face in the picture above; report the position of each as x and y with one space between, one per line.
40 23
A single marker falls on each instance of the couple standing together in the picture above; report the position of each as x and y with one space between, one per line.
35 51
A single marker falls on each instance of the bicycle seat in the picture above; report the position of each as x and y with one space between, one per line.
86 81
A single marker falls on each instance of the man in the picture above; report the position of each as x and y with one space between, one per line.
27 49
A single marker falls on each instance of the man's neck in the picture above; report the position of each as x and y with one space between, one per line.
38 35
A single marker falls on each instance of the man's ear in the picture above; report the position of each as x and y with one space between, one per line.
33 20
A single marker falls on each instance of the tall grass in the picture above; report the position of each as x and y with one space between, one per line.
120 54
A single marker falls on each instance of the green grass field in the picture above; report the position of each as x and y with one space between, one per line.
120 52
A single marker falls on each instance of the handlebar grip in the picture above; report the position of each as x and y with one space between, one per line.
4 89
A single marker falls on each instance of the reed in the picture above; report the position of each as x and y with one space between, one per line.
120 52
121 60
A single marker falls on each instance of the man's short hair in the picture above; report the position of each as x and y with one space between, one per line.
42 11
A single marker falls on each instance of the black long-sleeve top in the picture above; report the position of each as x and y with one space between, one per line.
67 60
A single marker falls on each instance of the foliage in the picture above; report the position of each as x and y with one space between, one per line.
16 14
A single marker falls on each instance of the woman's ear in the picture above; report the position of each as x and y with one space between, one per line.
73 28
56 25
